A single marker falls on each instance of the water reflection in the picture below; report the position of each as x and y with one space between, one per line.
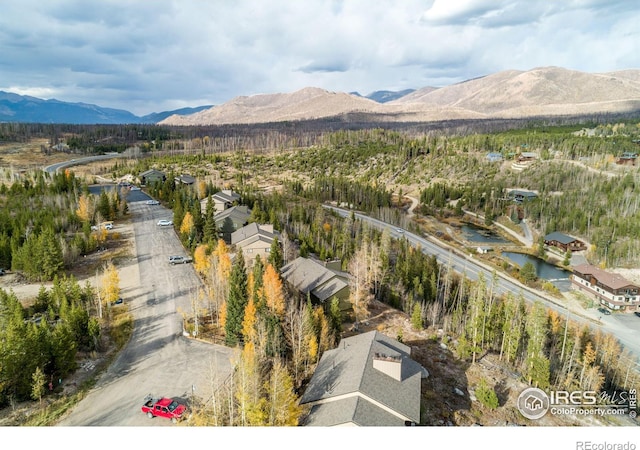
475 233
544 270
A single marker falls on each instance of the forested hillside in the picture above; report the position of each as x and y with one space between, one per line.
575 174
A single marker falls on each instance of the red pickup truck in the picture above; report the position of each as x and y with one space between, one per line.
164 407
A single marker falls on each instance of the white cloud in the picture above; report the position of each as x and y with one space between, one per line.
149 56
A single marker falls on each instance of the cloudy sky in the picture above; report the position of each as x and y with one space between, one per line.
155 55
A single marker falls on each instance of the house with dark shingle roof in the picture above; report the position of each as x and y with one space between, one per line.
321 280
151 176
609 289
254 239
520 195
368 380
231 219
564 242
185 179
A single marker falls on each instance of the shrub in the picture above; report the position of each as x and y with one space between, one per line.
486 395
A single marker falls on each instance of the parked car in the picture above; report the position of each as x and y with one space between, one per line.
120 301
164 223
108 226
134 188
153 202
604 311
164 407
2 272
179 260
637 313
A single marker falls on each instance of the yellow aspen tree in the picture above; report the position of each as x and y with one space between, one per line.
220 274
110 284
284 409
186 227
249 322
324 330
251 288
272 290
252 405
313 348
588 358
84 211
202 189
201 261
221 253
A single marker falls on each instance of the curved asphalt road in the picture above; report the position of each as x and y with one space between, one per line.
626 327
53 168
158 360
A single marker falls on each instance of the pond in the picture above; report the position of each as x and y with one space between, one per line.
474 233
545 271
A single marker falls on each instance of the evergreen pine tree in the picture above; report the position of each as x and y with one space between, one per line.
275 254
238 296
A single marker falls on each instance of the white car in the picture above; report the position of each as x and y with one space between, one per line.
165 223
399 230
135 188
108 226
153 202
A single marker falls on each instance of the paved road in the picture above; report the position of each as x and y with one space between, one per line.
53 168
626 327
158 360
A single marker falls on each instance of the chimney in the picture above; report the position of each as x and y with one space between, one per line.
389 365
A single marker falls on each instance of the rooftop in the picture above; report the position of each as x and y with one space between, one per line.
350 389
613 280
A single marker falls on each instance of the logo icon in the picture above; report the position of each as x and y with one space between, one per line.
533 403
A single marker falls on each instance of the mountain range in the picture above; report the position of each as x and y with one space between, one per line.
543 91
24 108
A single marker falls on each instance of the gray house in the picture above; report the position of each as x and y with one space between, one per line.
254 240
231 220
151 176
320 280
222 200
368 380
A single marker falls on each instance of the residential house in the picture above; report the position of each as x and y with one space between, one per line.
494 157
231 220
185 179
222 200
368 380
151 176
254 239
627 158
321 280
609 289
484 249
564 242
520 196
527 156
